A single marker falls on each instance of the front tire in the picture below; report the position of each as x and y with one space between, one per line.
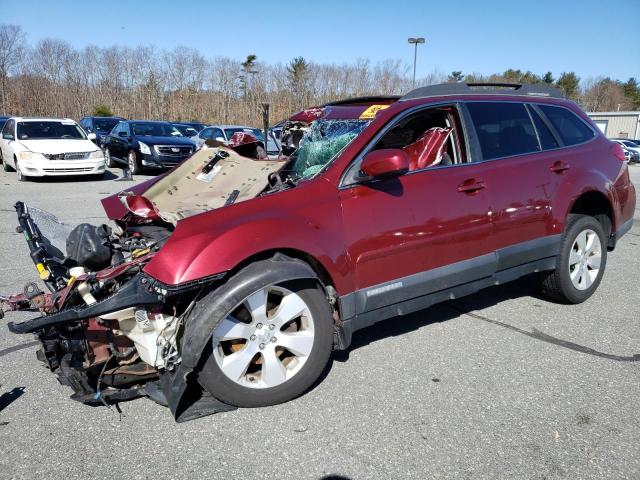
581 262
5 165
21 177
271 347
134 165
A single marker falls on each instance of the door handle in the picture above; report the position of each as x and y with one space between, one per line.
559 167
471 186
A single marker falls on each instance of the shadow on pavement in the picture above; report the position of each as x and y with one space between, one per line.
526 286
8 398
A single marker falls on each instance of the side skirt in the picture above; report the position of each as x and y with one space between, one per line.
366 307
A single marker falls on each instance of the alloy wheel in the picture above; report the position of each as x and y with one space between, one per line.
133 164
266 340
584 259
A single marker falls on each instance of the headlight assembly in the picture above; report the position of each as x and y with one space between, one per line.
144 148
96 154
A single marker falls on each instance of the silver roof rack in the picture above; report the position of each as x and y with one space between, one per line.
444 89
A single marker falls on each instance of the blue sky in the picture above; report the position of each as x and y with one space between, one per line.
589 37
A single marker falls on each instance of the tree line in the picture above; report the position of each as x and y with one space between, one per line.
52 78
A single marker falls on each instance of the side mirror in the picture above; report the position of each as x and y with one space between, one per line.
122 134
389 162
91 136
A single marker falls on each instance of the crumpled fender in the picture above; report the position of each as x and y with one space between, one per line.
202 320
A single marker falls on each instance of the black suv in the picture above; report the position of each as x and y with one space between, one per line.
146 144
101 126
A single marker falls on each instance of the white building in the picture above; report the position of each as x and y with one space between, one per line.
618 124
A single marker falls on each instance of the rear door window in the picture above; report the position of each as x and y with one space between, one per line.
503 129
547 140
571 129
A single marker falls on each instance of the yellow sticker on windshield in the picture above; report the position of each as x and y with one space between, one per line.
371 111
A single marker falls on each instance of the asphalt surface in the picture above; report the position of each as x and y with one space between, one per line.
499 385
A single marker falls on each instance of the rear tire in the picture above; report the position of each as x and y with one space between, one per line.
111 163
581 262
242 368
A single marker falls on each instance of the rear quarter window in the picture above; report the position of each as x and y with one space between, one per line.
503 129
569 126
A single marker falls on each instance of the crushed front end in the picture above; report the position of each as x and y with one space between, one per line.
105 327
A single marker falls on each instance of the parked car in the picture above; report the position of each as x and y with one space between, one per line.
38 147
631 146
101 126
240 276
186 130
223 133
146 144
3 119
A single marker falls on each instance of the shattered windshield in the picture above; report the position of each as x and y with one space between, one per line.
321 143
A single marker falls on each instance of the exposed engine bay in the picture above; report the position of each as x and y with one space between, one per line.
106 328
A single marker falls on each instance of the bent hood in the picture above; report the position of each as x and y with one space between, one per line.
211 178
61 145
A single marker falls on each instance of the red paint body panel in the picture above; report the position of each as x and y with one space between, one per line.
369 234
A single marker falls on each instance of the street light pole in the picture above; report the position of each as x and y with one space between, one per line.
415 41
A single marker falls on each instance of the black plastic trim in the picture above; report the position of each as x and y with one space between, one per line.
524 89
140 290
624 228
405 295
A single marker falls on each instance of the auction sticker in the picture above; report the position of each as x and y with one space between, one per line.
371 111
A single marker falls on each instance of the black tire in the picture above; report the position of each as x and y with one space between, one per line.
557 284
111 163
212 378
134 163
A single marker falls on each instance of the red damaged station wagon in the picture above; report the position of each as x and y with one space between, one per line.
228 281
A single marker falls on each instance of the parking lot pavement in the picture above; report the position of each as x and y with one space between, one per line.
502 384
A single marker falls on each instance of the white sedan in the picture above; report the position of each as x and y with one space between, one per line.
38 147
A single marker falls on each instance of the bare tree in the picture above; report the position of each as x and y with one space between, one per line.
12 40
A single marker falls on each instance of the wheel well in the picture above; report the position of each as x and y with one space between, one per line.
596 205
317 267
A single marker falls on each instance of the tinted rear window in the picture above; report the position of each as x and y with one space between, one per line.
503 129
547 139
571 129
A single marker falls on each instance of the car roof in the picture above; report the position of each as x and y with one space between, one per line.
149 121
495 89
231 126
42 119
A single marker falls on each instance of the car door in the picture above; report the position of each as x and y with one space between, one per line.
511 138
418 233
120 140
